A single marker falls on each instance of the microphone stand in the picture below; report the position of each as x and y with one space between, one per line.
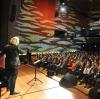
35 77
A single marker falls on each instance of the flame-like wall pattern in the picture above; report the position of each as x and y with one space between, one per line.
36 24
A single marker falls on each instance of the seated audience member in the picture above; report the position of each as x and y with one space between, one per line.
96 76
86 72
50 70
94 92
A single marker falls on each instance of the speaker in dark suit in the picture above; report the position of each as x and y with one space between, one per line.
68 81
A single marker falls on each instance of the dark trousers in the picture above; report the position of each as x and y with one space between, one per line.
12 76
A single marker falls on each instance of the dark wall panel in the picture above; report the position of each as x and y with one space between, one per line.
4 10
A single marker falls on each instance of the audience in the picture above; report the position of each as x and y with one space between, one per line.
84 65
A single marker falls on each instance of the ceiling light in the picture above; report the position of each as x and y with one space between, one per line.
62 9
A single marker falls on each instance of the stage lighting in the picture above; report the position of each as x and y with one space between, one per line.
95 46
63 9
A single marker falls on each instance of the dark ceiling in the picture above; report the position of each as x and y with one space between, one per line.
88 8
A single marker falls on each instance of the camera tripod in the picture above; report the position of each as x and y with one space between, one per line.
35 78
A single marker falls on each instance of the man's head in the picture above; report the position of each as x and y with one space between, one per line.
14 40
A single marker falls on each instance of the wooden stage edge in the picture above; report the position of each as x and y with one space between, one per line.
47 89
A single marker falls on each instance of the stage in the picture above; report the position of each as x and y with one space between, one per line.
46 89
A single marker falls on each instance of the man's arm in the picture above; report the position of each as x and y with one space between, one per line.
2 52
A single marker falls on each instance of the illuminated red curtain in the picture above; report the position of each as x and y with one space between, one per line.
47 8
2 61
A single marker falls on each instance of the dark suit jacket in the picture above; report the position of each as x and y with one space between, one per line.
12 56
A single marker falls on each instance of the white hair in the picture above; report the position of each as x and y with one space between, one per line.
14 40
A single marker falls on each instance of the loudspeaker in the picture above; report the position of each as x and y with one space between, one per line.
13 13
68 81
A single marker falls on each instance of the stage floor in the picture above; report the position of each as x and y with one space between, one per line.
46 89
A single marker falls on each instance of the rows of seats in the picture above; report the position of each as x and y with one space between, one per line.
86 66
